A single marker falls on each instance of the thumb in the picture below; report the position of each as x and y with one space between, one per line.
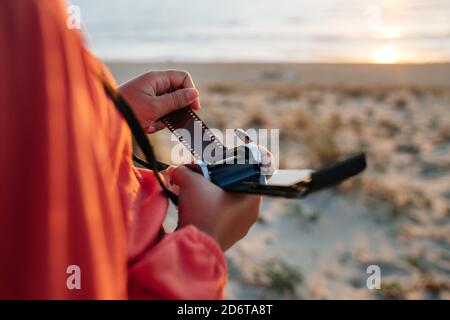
184 177
176 100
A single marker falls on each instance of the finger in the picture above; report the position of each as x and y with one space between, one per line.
169 80
166 81
266 156
195 105
173 101
154 127
183 177
181 80
168 172
267 161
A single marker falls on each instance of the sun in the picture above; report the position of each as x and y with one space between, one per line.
386 54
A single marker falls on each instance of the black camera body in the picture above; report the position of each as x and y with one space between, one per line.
243 164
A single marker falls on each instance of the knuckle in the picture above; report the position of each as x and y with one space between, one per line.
172 73
182 73
150 74
188 79
186 74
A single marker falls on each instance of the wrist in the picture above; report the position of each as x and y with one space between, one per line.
214 235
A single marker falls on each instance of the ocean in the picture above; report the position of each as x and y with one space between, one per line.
380 31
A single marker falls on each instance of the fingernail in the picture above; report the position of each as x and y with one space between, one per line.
150 129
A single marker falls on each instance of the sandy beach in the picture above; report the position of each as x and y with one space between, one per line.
396 215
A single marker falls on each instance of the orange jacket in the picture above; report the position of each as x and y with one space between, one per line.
69 194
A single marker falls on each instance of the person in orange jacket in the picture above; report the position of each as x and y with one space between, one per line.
69 193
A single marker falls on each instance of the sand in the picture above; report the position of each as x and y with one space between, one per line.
395 216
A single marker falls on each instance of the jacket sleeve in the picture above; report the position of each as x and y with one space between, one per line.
185 264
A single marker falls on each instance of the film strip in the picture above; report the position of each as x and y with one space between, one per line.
193 133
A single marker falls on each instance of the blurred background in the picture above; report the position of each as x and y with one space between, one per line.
335 77
267 30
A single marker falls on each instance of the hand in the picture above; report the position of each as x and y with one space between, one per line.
225 216
157 93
